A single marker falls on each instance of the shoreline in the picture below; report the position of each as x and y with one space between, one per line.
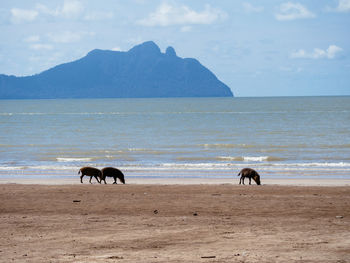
180 181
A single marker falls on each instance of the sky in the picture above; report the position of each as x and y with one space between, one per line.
257 48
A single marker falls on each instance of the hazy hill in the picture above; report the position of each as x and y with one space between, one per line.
141 72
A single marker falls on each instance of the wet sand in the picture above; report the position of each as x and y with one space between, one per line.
174 223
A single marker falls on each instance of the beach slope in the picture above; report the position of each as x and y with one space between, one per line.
174 223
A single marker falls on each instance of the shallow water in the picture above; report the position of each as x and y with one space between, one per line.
286 137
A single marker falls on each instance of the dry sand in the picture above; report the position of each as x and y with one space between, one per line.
174 223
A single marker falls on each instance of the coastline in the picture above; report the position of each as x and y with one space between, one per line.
181 181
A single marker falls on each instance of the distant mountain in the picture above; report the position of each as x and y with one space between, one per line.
142 72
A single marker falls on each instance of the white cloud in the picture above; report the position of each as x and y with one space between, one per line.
331 52
23 15
94 16
249 8
292 11
72 8
41 46
64 37
69 9
343 6
68 36
116 49
32 39
43 9
167 14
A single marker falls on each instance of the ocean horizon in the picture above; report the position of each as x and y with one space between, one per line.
280 137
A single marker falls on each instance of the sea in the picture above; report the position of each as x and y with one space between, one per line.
280 137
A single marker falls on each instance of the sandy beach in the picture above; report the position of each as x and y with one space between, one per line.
174 223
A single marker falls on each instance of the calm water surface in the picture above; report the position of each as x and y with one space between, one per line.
288 137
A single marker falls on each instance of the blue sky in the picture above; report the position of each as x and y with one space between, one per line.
257 48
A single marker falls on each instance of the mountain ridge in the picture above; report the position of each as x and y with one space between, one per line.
142 72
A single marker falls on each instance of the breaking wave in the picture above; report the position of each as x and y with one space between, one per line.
251 158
